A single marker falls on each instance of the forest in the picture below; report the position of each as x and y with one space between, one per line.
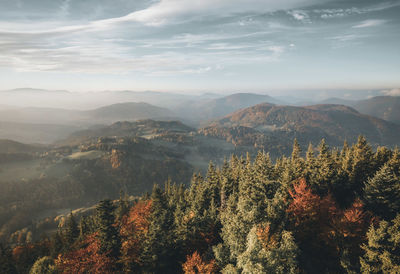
319 211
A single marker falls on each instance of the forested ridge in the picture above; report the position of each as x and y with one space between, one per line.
322 211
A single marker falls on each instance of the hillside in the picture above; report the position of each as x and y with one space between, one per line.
9 146
384 107
335 123
126 112
35 132
107 114
201 111
46 125
141 128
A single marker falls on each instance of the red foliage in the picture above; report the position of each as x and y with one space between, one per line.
86 260
194 264
308 207
324 228
354 221
266 238
21 251
134 227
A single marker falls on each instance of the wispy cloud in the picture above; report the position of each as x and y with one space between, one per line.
166 11
369 23
342 12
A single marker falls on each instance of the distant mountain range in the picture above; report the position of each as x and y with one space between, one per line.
10 146
335 123
103 115
46 124
202 111
384 107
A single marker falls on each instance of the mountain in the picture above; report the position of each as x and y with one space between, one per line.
143 128
10 146
126 112
34 91
43 125
337 101
31 97
384 107
336 123
35 133
202 111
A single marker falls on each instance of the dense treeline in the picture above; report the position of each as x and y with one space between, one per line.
332 211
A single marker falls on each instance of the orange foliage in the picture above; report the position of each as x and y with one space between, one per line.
86 260
264 235
321 225
134 227
308 207
354 221
194 264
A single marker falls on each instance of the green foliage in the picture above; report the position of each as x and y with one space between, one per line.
382 192
158 247
295 215
382 251
269 255
108 235
71 230
44 265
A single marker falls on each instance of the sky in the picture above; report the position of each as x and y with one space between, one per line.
200 45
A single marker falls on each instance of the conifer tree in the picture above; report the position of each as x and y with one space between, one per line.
268 253
71 230
110 242
56 244
382 193
362 166
382 156
122 207
159 253
382 251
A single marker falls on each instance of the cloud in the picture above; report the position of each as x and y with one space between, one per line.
166 11
391 92
369 23
348 37
342 12
300 15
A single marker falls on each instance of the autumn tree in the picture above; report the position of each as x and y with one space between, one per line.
195 264
133 229
88 259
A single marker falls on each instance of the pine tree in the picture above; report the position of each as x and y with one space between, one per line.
266 253
110 242
56 244
159 251
362 166
382 193
122 207
382 251
71 230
